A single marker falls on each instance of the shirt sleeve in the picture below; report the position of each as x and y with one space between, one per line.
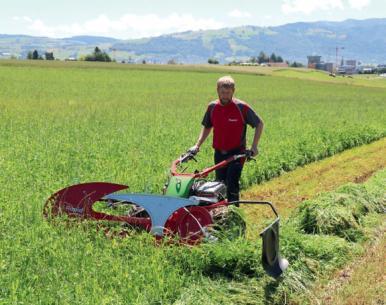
206 121
252 119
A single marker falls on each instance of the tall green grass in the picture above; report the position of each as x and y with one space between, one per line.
61 126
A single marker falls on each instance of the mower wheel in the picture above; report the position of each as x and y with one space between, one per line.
193 224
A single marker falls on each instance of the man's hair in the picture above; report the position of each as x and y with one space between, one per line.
226 82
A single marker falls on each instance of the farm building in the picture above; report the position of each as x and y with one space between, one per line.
315 62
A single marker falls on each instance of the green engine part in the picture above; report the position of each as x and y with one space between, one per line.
179 186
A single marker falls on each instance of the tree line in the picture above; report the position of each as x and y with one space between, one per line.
264 58
35 55
97 55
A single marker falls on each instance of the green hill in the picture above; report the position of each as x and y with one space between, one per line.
363 40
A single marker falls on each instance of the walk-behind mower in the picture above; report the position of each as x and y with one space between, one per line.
191 209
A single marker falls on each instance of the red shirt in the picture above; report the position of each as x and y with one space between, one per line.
229 123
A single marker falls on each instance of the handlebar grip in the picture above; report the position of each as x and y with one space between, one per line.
187 156
248 155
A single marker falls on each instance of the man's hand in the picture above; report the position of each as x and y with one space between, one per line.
255 151
194 149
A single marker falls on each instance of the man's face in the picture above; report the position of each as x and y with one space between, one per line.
225 94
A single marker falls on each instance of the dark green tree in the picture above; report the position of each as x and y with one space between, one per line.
35 54
172 61
296 65
98 55
49 56
213 61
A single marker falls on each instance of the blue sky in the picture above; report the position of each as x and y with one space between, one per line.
143 18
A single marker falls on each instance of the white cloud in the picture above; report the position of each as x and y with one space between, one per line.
309 6
239 14
22 18
127 26
359 4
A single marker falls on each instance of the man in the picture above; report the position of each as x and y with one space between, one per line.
229 117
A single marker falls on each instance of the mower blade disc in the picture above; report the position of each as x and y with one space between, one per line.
77 200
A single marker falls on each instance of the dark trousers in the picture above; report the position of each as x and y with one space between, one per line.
229 175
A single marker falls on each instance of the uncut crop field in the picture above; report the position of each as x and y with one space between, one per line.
62 125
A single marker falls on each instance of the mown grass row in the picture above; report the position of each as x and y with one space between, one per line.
321 235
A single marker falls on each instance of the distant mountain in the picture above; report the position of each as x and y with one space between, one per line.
91 40
364 40
20 45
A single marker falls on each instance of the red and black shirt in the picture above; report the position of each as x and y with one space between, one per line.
229 123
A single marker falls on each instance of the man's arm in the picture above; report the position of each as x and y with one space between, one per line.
205 131
256 138
202 137
253 120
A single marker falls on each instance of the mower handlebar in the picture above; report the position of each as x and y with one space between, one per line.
190 155
247 154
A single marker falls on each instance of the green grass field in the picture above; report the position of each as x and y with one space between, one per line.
63 124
